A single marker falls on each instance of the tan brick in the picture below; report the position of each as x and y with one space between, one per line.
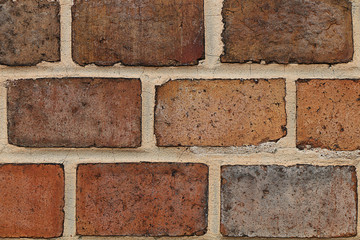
134 32
74 112
142 199
328 114
287 31
32 200
220 112
298 201
30 32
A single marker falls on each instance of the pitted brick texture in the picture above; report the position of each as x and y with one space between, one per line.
74 112
299 201
146 32
30 32
220 112
287 31
142 199
32 200
328 114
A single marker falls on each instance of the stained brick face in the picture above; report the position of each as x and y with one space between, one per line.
220 112
298 201
74 112
287 31
142 199
32 200
149 33
30 32
328 114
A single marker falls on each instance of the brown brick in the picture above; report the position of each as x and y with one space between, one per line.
328 114
74 112
299 201
287 31
30 32
134 32
32 200
142 199
220 112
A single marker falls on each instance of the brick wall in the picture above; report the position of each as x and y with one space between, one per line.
200 119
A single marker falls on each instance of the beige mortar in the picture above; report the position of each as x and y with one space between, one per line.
283 152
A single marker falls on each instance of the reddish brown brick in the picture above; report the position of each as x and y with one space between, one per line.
298 201
220 112
30 32
328 114
287 31
32 200
74 112
142 199
134 32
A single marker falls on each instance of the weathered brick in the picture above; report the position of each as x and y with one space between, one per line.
30 32
74 112
287 31
142 199
328 114
220 112
32 200
298 201
134 32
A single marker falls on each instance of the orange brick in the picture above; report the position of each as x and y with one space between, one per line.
32 200
220 112
142 199
328 114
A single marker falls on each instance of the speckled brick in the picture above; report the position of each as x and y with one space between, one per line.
138 32
32 200
142 199
298 201
30 32
287 31
74 112
220 112
328 114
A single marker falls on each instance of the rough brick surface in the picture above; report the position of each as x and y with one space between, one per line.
328 114
298 201
74 112
32 200
138 32
287 31
30 32
142 199
220 112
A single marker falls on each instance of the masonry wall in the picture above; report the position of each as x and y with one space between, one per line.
179 119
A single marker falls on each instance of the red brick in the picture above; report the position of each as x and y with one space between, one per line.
287 31
142 199
220 112
298 201
30 32
328 114
32 200
134 32
74 112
